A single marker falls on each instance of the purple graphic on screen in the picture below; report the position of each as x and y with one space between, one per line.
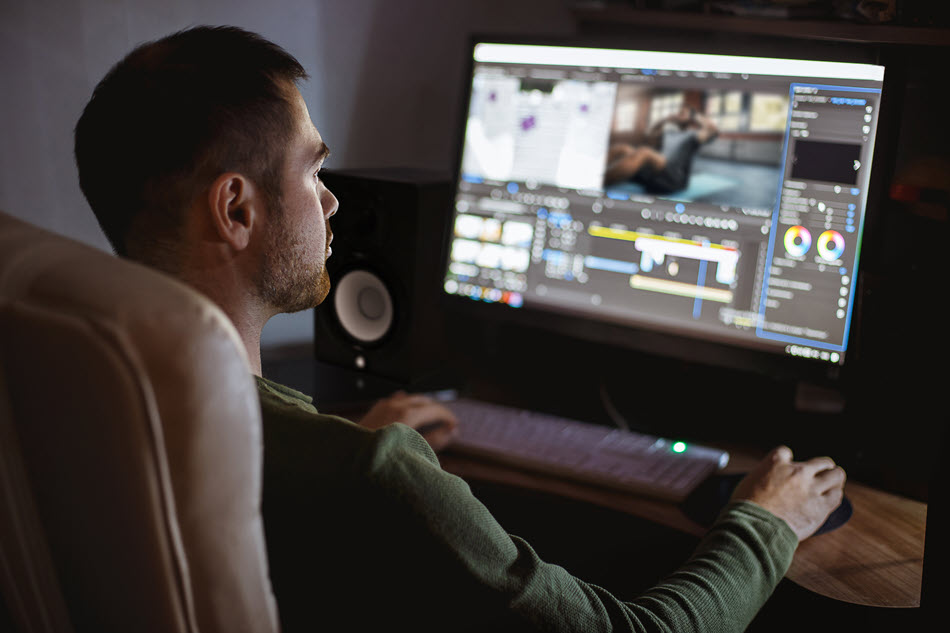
585 108
493 96
528 123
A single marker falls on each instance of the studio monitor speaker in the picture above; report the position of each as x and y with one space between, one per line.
382 315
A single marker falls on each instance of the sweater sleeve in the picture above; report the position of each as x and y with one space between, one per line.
720 588
364 530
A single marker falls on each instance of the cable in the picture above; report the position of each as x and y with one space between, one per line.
612 412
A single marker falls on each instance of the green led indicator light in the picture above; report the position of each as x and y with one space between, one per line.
679 447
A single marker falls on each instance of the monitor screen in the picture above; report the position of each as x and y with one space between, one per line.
708 197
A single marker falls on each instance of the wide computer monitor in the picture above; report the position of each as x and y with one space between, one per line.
682 203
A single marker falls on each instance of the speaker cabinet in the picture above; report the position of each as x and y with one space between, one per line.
382 315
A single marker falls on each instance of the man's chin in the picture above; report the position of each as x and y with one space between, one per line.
310 298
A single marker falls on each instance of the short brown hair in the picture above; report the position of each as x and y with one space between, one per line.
172 116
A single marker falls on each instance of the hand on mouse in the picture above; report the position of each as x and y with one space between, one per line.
801 493
435 422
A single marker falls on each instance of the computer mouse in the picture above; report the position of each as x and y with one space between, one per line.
707 501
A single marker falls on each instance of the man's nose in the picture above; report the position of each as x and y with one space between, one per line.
330 203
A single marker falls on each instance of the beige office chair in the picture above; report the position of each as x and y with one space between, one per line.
130 449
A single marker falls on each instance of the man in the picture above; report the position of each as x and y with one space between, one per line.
198 156
664 165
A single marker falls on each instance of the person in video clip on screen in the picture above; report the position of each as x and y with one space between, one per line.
664 164
199 158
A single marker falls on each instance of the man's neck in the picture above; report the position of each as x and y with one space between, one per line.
244 311
217 270
250 334
249 321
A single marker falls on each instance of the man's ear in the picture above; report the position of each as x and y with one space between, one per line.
235 207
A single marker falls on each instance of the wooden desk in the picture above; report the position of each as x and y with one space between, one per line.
875 559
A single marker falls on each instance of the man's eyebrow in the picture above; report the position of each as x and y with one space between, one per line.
322 153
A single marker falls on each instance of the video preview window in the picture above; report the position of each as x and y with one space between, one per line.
720 147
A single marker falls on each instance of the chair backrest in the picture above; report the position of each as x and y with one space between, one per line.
130 449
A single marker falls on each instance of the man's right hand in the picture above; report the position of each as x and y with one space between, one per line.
801 493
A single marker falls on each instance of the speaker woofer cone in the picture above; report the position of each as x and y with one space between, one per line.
363 306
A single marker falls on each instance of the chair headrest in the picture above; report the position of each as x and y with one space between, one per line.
138 429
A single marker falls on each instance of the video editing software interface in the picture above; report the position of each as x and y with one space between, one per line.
712 196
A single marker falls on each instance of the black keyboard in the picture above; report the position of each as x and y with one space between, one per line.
588 453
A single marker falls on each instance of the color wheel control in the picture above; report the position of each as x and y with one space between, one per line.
830 245
797 241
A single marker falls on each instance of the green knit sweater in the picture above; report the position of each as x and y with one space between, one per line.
365 532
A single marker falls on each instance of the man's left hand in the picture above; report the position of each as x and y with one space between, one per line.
432 420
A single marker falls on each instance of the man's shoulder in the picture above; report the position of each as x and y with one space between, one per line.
293 425
274 391
288 412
